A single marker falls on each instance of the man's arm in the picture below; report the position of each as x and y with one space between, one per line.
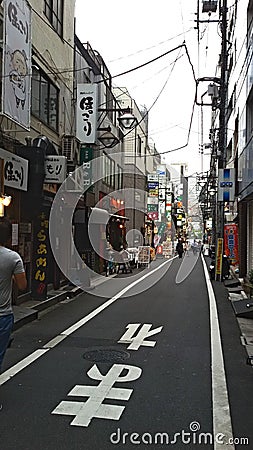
20 280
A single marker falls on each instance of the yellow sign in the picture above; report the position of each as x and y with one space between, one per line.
219 254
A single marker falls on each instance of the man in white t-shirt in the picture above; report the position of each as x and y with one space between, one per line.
11 269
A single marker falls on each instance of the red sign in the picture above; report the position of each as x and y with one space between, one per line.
231 242
159 250
153 215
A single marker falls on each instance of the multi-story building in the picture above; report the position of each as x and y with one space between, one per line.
239 120
135 169
37 42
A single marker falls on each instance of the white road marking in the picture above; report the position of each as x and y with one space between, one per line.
85 411
137 341
10 373
221 412
94 313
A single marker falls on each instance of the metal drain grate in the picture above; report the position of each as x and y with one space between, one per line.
106 355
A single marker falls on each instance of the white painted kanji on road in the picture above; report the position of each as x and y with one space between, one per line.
138 340
94 407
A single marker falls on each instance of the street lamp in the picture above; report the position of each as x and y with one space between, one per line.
108 139
127 121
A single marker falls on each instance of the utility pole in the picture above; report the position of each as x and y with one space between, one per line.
222 120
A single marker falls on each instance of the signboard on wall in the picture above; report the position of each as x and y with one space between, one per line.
17 62
55 169
231 242
15 170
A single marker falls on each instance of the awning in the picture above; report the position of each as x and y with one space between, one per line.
117 216
99 215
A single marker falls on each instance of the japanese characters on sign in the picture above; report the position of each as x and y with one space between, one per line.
86 156
231 243
226 185
153 177
15 170
86 113
219 254
94 406
143 255
17 62
153 215
41 250
55 169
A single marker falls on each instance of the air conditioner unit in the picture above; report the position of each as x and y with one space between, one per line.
71 148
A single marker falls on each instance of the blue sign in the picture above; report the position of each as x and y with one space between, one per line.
153 185
226 185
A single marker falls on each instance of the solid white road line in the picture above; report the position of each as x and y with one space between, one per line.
222 425
8 374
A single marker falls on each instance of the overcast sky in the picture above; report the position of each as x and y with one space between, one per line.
128 36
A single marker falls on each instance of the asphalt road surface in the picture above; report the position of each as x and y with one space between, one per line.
142 362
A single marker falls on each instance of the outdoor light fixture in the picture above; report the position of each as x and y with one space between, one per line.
4 201
212 191
126 120
108 139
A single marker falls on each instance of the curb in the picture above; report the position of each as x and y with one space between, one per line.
29 310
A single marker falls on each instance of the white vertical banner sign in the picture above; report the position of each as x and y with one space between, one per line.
17 62
86 113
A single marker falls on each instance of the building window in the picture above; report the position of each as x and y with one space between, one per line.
139 146
45 99
53 10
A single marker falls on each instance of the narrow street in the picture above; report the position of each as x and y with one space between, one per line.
127 370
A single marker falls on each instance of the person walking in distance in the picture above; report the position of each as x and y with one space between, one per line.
11 269
186 248
180 248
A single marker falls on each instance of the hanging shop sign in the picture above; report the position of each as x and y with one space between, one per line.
231 243
153 177
161 170
55 169
153 200
17 62
15 170
153 185
152 208
153 192
226 185
153 215
86 112
86 156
